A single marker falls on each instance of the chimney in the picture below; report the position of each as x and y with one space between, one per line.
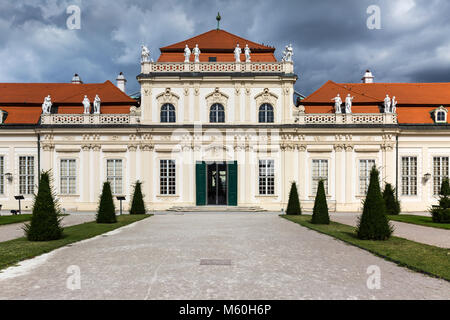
368 77
121 81
76 79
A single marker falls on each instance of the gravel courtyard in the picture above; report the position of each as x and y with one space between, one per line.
270 258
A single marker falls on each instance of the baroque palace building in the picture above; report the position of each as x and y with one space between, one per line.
217 126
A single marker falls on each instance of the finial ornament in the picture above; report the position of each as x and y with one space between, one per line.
145 54
218 18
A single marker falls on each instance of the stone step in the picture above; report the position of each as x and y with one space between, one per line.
215 209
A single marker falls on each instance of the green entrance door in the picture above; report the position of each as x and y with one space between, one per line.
216 183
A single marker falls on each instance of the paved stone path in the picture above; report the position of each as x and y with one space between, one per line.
13 231
159 258
428 235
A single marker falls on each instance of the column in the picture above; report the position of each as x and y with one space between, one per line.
85 168
132 164
340 175
96 179
349 167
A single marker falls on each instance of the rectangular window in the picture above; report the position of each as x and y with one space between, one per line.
26 175
266 177
364 174
114 175
68 176
440 171
2 175
409 176
319 172
167 176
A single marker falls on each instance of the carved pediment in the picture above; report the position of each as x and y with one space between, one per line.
266 97
217 97
167 97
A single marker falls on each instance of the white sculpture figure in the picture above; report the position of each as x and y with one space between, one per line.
145 54
187 54
288 53
237 53
196 51
337 103
394 105
387 104
247 53
87 105
97 104
47 105
348 104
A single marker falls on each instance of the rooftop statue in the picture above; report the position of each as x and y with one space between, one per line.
337 103
348 103
87 105
187 54
247 53
97 104
47 105
145 54
196 51
237 53
394 105
288 53
387 104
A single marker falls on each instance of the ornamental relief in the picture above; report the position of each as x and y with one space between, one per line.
217 97
167 97
266 97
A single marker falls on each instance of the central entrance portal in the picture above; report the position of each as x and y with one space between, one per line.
217 183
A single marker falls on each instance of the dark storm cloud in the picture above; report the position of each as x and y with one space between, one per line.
330 38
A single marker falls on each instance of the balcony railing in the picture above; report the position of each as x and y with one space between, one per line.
254 67
351 118
70 119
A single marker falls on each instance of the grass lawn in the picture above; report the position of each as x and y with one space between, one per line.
14 251
420 220
420 257
14 219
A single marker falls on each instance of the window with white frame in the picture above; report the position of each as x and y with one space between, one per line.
167 177
114 175
68 176
2 174
26 175
319 172
440 115
266 177
440 171
409 176
365 166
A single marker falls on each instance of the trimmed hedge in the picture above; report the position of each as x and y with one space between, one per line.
293 206
320 211
106 212
137 204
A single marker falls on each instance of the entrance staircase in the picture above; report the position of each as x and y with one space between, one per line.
216 209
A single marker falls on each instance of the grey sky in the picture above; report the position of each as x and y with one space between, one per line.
330 38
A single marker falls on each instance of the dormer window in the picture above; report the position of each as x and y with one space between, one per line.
212 59
440 115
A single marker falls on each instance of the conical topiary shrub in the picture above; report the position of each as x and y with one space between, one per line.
45 221
106 212
320 211
391 202
441 214
137 203
293 206
373 223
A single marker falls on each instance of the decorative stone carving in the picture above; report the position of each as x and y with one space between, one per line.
288 53
387 104
338 147
237 53
47 105
196 51
394 105
266 97
337 103
247 53
168 97
217 97
348 104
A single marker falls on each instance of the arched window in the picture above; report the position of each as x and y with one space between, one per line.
167 113
440 116
265 113
217 113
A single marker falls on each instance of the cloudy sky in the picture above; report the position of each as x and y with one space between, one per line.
331 39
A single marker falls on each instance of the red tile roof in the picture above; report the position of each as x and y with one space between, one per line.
23 101
415 100
219 44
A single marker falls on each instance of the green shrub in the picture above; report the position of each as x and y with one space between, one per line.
320 211
373 223
391 202
137 204
293 206
441 214
45 224
106 212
